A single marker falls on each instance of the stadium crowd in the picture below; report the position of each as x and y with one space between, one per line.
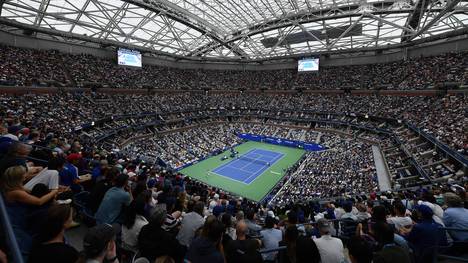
443 117
49 164
20 67
345 169
162 216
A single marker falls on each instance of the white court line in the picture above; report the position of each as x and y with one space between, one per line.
273 162
252 161
229 165
232 161
232 179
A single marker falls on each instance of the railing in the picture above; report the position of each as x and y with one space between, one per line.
447 150
9 234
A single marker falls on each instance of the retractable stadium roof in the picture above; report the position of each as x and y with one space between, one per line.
237 29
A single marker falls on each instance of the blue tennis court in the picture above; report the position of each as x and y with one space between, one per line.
249 166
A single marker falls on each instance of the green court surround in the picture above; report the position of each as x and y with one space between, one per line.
258 188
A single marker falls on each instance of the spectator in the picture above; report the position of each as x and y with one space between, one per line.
18 202
50 246
48 176
270 238
14 191
456 216
253 227
348 208
400 220
229 231
362 214
243 249
214 202
219 208
359 250
16 155
134 220
99 245
99 171
330 248
299 249
100 189
69 175
425 235
206 247
154 242
114 200
192 221
390 251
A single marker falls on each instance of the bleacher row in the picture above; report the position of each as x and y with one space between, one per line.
100 154
27 67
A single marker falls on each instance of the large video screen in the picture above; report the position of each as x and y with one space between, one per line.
127 57
308 64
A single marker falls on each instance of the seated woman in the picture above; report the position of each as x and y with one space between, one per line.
134 220
18 202
49 246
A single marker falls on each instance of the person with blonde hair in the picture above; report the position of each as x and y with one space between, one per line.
13 189
18 202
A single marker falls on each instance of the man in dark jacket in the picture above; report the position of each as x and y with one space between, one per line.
154 242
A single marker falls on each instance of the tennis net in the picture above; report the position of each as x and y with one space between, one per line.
253 160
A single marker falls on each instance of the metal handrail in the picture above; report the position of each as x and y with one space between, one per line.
10 236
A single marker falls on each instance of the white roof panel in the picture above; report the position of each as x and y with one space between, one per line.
236 28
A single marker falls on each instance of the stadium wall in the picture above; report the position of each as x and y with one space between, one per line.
427 49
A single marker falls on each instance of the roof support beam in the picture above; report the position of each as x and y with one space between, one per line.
345 32
41 12
174 15
319 16
175 34
440 15
1 5
281 39
310 34
385 21
50 32
414 19
113 23
142 23
81 12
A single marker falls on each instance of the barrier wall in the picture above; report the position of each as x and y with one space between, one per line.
308 146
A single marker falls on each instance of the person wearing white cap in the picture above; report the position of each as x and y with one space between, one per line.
214 202
270 213
330 248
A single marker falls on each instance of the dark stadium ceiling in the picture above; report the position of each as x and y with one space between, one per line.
238 29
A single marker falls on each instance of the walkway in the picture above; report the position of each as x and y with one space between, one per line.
382 173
